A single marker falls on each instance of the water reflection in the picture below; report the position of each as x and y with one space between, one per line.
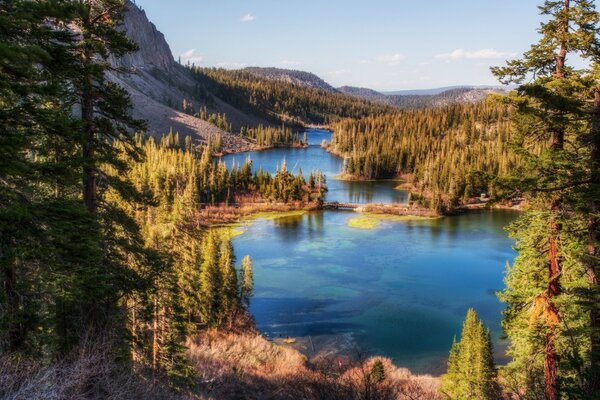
400 290
314 157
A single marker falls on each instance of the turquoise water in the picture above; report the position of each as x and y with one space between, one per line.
400 290
314 157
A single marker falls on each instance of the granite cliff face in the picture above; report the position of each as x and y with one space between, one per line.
158 85
153 48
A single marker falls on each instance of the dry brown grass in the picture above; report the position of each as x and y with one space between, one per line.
247 206
89 374
251 367
230 366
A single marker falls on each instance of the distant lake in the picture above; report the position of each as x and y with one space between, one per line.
400 290
314 157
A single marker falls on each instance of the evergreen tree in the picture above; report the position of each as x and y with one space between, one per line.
230 302
457 165
210 281
471 371
553 137
246 281
378 372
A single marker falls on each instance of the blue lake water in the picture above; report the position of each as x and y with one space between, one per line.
400 290
314 157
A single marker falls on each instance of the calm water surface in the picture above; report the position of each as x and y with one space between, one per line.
314 157
401 290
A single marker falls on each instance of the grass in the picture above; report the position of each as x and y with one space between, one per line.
272 215
234 366
368 221
235 229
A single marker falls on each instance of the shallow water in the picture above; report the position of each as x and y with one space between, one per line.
400 290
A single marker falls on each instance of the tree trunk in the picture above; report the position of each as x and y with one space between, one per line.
89 137
593 250
554 262
155 340
552 316
562 54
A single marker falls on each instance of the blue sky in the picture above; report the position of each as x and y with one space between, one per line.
381 44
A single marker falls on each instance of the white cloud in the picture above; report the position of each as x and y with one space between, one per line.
483 54
248 18
391 59
230 65
191 56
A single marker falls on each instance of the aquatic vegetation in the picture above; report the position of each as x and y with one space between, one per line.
371 220
273 215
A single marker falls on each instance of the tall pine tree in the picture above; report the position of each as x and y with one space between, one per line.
471 371
546 286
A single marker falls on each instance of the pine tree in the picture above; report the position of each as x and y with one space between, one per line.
230 300
246 281
39 164
210 281
471 371
378 372
552 125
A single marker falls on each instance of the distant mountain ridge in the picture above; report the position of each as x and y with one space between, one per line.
364 93
439 90
295 77
159 86
418 99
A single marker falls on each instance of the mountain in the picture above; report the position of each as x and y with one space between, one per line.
427 98
300 78
436 91
169 96
458 95
364 93
158 85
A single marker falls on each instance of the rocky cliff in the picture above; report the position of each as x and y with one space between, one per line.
158 85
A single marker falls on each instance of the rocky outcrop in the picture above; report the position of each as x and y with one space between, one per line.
158 85
153 48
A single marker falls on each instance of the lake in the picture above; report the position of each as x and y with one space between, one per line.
400 290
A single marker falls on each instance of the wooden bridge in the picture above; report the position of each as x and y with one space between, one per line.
335 205
391 209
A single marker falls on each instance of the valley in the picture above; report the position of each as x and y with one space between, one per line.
209 226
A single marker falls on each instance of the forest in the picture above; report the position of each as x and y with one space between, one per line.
114 286
448 155
264 136
99 243
282 102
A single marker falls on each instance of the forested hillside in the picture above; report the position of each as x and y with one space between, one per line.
299 78
118 277
282 102
447 154
459 95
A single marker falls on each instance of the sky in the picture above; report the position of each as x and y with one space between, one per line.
385 45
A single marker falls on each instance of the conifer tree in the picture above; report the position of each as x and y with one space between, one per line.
210 280
471 371
246 281
552 125
230 294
